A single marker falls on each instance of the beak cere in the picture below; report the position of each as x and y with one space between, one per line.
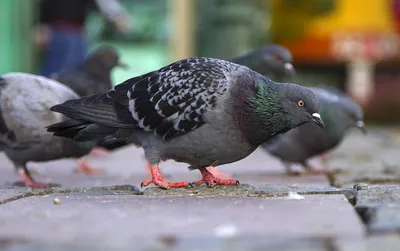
289 68
360 124
317 120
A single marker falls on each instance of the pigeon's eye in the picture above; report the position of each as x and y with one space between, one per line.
352 115
300 103
278 57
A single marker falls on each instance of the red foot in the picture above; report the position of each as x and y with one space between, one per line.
29 182
97 151
158 180
210 180
85 168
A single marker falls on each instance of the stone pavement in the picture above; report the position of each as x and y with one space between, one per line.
356 209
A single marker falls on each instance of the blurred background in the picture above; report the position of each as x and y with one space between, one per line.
348 44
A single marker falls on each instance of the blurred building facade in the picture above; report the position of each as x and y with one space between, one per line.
350 44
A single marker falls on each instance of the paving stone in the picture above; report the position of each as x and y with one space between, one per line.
185 244
379 205
369 243
116 219
269 190
9 194
370 159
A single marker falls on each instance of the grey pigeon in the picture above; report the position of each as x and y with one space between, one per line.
94 75
270 59
339 112
25 100
201 111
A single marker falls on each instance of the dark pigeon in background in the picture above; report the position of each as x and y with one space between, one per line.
25 102
270 60
201 111
339 113
94 75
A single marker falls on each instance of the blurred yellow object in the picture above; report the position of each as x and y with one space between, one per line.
355 15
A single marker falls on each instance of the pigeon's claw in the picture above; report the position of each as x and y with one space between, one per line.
158 180
29 182
210 180
85 168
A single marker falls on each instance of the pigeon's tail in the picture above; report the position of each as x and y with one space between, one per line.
92 118
69 128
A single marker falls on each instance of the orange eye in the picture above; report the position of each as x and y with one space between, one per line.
352 115
300 103
278 57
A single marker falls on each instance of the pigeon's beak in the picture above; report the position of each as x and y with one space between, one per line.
360 125
123 65
317 120
289 69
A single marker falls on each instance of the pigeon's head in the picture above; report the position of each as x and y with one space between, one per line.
338 106
300 105
350 113
105 58
278 58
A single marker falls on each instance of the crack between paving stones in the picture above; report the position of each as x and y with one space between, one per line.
366 214
128 189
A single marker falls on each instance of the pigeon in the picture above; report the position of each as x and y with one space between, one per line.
94 75
270 59
200 111
339 112
25 100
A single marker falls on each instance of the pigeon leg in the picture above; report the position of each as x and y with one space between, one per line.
325 157
85 168
98 151
158 180
218 174
311 170
210 180
27 179
289 170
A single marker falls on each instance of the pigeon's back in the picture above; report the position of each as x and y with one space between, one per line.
25 101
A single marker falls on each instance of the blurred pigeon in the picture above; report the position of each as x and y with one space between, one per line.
270 59
94 75
201 111
339 112
25 100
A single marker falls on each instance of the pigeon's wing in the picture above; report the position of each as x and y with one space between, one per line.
331 96
299 144
286 146
328 94
168 102
76 80
25 103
